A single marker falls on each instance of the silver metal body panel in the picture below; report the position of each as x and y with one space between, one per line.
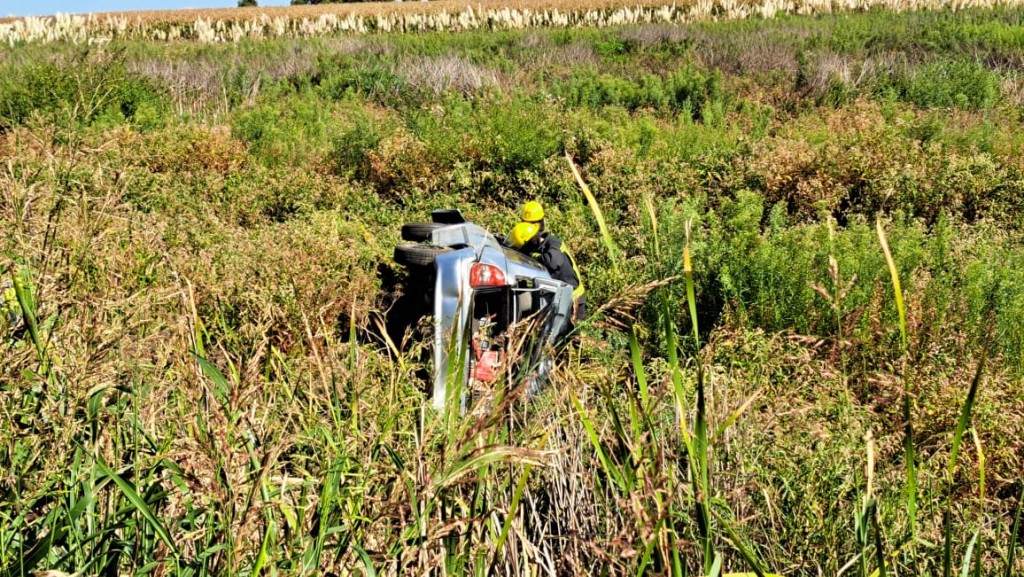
453 295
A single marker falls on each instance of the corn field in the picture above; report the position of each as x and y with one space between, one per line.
302 22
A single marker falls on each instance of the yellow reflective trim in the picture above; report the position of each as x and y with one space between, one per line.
579 290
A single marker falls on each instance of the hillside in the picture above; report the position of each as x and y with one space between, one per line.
196 375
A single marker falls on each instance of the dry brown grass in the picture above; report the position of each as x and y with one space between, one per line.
447 73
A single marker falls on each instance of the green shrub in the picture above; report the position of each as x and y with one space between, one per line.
79 95
611 47
993 291
770 274
949 83
514 136
349 150
696 93
343 77
489 149
42 87
292 130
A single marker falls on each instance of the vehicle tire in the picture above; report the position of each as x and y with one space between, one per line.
418 254
419 231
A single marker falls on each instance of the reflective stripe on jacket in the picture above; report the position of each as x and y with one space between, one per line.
579 290
559 263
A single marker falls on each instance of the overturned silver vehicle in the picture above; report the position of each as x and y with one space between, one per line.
476 288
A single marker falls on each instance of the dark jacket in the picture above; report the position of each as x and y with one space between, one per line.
550 254
561 266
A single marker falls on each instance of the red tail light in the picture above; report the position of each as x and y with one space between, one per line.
485 275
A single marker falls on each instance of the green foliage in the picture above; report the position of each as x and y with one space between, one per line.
352 146
196 378
691 92
80 95
508 139
948 83
484 149
286 133
344 77
767 275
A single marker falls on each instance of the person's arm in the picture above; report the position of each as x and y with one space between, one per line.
550 262
558 264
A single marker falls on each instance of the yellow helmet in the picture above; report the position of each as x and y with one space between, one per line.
522 233
533 212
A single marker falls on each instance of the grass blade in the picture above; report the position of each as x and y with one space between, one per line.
879 549
981 499
653 215
965 570
139 503
264 554
367 562
947 547
221 387
479 458
716 566
353 367
741 548
735 415
513 507
965 414
455 385
701 428
324 506
28 311
910 456
909 451
897 291
691 298
981 467
610 469
638 369
1012 545
598 215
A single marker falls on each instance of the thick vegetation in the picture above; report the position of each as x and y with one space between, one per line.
805 356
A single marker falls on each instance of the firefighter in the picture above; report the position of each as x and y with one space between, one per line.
529 238
533 212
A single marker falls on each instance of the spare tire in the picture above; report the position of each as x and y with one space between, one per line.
420 231
418 254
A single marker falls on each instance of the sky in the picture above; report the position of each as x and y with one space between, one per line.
47 7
